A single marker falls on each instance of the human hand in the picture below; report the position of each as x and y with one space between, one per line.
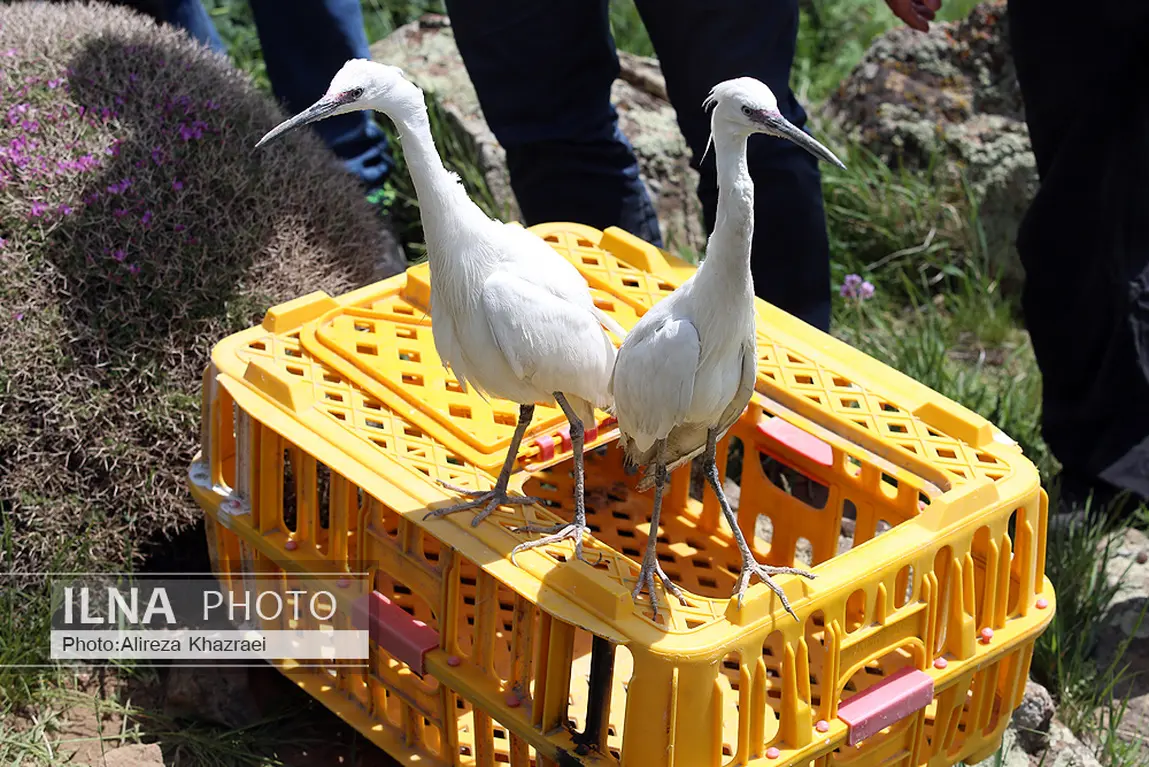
917 13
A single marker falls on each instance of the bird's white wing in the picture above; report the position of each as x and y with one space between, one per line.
733 411
539 263
745 389
552 343
447 344
653 380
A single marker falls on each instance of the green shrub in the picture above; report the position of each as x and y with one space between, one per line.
137 228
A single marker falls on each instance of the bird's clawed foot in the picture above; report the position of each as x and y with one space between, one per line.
488 499
645 582
560 532
751 567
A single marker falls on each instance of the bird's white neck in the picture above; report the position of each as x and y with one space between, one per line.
447 212
726 268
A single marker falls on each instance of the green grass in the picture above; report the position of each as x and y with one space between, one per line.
937 313
25 619
43 734
939 316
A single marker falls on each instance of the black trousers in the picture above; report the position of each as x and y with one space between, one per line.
1084 76
543 74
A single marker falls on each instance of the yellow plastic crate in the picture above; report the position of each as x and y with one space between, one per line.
325 428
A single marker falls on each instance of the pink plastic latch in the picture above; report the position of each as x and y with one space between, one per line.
390 627
590 434
546 447
886 703
797 440
565 436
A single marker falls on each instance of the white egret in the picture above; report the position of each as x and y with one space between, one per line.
509 315
686 371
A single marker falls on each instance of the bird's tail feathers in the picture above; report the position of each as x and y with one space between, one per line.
647 480
609 323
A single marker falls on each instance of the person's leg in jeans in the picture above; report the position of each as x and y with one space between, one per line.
699 44
304 43
191 16
1084 242
543 73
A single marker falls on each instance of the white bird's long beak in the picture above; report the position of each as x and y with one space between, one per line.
777 125
325 107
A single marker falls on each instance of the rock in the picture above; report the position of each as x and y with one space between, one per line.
1129 572
953 94
221 695
1033 717
1065 750
1012 753
137 755
425 50
1130 575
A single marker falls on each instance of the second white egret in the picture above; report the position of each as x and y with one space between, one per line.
686 371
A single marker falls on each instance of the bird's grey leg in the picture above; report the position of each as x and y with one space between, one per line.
750 566
496 496
575 530
650 563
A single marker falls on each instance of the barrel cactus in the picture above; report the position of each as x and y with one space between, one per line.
137 227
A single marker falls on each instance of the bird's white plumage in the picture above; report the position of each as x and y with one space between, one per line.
687 369
659 365
509 315
681 371
558 346
688 366
525 326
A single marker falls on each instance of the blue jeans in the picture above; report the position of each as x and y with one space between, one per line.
543 72
305 42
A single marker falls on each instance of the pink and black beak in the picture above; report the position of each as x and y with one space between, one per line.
775 124
322 109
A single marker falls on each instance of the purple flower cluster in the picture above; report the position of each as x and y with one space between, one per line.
22 157
184 110
31 159
41 209
193 130
853 287
81 164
